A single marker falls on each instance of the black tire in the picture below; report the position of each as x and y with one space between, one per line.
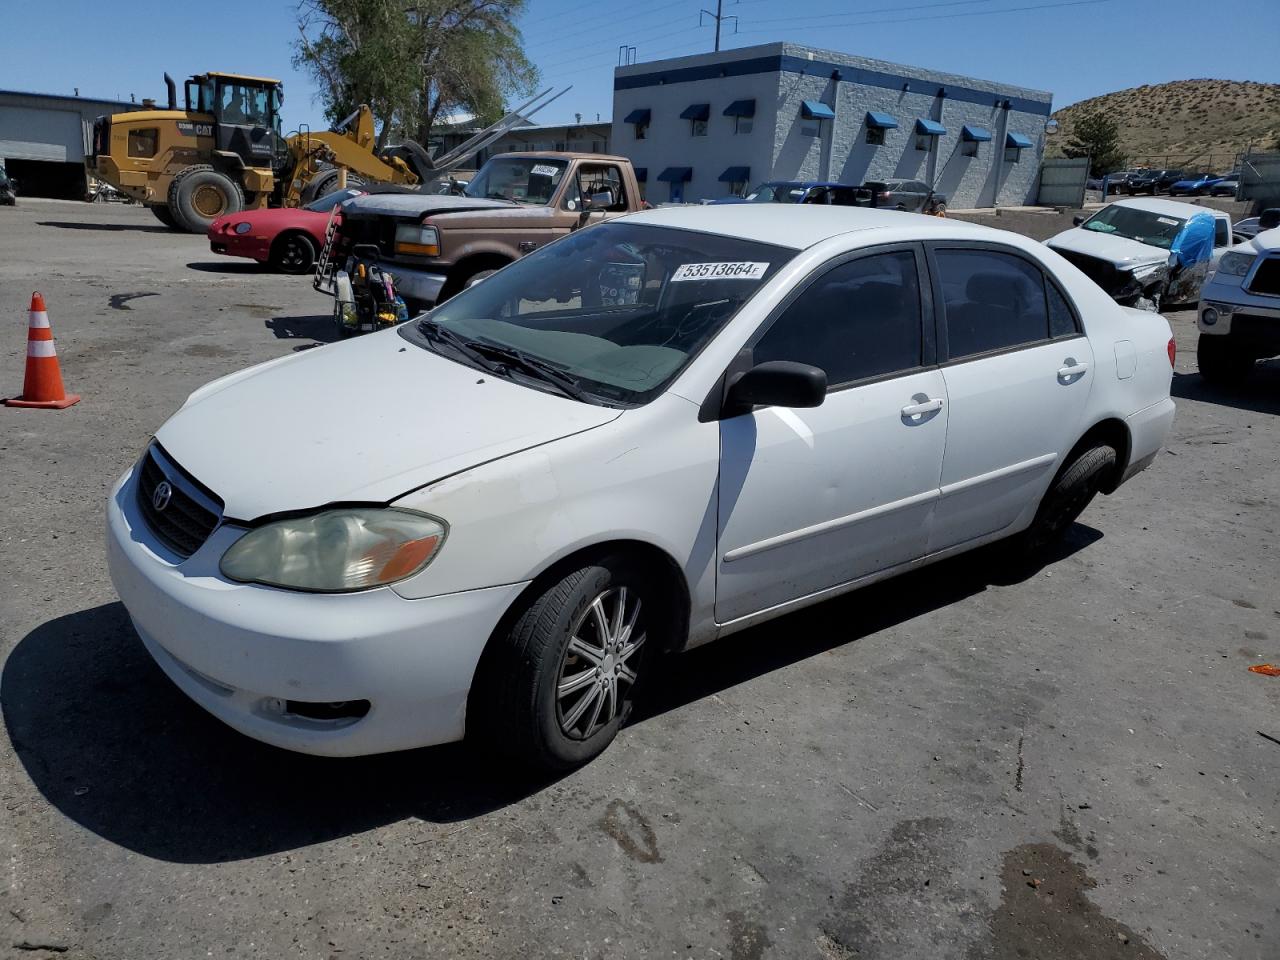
326 181
1075 486
200 194
459 281
477 277
514 704
293 253
1222 363
164 216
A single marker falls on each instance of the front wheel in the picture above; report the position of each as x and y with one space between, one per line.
293 253
1075 486
556 685
1222 363
199 195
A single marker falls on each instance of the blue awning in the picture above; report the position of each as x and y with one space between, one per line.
696 111
816 110
642 174
637 116
741 108
676 174
975 134
735 175
1017 140
930 128
883 121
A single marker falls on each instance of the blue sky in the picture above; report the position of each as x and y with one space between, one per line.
1076 51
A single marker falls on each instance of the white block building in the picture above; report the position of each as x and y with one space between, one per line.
705 126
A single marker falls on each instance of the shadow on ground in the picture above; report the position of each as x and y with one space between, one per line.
114 746
108 227
318 327
230 266
1259 392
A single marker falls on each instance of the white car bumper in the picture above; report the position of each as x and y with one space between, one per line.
1148 429
254 656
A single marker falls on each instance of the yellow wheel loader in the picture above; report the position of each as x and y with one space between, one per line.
225 152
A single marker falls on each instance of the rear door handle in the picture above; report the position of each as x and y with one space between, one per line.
1075 370
913 410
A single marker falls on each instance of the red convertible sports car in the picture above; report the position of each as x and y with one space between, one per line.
287 238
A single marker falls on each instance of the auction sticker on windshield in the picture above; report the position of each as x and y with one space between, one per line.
740 270
545 170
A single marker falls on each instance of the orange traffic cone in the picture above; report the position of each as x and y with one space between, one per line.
42 386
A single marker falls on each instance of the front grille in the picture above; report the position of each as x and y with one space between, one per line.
1250 328
1266 279
184 522
1101 272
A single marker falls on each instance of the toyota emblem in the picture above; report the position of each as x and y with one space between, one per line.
164 493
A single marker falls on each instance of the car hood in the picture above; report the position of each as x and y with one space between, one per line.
418 205
362 421
1121 251
275 219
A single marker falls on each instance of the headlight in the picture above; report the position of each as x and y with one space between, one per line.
1147 270
417 240
1235 264
350 548
243 228
1209 316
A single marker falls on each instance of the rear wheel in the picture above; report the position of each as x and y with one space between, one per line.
1075 486
555 687
200 194
325 182
293 253
1222 363
164 216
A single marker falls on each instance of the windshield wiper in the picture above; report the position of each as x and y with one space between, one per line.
539 369
433 330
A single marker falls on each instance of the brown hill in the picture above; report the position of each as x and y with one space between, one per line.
1192 122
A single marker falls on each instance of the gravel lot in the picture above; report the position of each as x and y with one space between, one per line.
959 763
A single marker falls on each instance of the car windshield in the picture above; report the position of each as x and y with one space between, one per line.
1144 226
530 180
330 200
614 312
776 193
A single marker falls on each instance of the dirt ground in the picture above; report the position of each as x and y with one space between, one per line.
957 764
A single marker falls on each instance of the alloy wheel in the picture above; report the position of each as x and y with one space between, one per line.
598 669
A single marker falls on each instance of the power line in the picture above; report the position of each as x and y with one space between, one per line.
560 38
945 16
893 9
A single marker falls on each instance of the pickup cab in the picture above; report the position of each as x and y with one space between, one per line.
436 245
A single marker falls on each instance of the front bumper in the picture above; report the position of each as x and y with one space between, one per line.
240 245
1248 319
243 652
421 285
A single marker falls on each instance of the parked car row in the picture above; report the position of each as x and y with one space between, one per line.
915 196
1172 182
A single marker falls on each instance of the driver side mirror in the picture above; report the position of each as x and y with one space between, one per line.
776 383
1077 220
597 201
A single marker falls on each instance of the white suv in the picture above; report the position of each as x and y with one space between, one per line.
1239 315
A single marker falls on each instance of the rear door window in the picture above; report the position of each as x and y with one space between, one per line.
992 301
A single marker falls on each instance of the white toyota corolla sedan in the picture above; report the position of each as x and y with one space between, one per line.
645 436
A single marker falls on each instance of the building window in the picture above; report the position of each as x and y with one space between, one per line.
698 127
1011 154
968 148
142 143
875 136
676 194
810 129
742 124
924 141
642 130
737 187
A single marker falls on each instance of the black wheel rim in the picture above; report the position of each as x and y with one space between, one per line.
293 254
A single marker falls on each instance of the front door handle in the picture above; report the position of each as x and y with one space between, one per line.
912 411
1073 369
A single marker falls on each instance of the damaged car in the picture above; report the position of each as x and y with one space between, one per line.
1139 252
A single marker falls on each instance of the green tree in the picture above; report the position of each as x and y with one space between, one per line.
1096 136
415 62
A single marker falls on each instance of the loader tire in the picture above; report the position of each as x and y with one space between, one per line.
164 216
200 194
323 183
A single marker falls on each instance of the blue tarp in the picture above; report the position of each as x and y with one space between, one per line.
1194 242
930 128
884 121
816 110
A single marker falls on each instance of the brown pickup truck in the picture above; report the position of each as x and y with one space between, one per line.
435 245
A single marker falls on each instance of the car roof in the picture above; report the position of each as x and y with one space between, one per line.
1170 208
558 155
803 225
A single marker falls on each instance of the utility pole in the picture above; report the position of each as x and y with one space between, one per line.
718 17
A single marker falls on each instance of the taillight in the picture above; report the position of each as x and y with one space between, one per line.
1173 351
884 195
